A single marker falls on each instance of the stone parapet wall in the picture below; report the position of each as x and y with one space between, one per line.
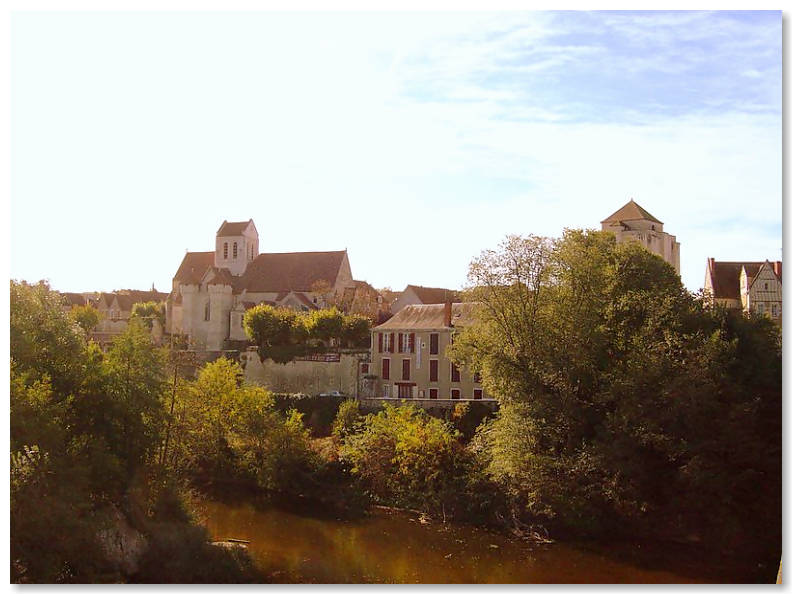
306 377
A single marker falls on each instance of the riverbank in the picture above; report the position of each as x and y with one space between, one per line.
395 546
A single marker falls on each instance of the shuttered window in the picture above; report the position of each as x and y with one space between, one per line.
405 369
455 394
379 341
386 369
433 393
433 344
454 373
433 370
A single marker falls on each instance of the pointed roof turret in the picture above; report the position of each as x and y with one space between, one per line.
631 211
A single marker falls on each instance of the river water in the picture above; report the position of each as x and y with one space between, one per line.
397 548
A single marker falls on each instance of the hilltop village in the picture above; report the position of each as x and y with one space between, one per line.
211 291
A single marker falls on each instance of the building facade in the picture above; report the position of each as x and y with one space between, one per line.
633 223
408 358
212 290
751 287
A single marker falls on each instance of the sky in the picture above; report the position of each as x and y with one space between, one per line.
413 140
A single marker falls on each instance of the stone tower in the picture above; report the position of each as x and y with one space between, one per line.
236 245
632 222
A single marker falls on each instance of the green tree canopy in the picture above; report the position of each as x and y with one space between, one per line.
148 312
625 402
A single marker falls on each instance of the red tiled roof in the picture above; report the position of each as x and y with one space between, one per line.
630 212
232 229
74 298
296 271
725 277
429 317
222 276
434 295
193 267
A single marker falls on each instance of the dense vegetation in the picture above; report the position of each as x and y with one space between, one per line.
283 334
628 408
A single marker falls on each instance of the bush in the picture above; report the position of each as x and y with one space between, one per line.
347 418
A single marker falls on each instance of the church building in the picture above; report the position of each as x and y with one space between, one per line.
632 222
212 290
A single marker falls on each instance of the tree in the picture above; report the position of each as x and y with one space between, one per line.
404 456
325 324
134 371
347 417
356 330
85 316
148 312
625 403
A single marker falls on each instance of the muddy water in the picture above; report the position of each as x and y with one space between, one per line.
395 547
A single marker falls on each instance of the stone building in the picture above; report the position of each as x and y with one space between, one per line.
115 309
750 287
408 358
634 223
418 295
212 290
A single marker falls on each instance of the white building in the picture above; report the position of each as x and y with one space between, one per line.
212 290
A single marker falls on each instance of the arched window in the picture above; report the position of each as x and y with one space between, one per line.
235 250
225 251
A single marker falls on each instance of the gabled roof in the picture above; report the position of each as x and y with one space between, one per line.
193 267
774 267
725 277
233 229
74 298
127 298
429 317
220 276
429 295
631 212
294 271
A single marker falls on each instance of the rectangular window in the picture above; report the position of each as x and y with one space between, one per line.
364 368
390 342
405 369
386 369
454 373
379 341
386 391
433 344
760 308
411 342
225 251
455 394
433 370
478 394
235 250
401 342
405 391
774 309
477 378
433 393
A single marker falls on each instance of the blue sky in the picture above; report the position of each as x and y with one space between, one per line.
414 140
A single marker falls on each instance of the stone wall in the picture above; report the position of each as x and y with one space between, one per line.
307 377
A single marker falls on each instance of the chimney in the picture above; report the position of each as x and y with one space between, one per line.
447 314
777 268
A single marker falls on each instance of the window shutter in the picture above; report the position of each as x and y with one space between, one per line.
401 342
379 340
390 343
412 342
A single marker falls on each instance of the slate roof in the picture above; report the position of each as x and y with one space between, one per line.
127 298
631 211
429 295
193 267
294 271
429 317
232 229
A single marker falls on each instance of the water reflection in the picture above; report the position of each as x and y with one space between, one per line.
397 548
